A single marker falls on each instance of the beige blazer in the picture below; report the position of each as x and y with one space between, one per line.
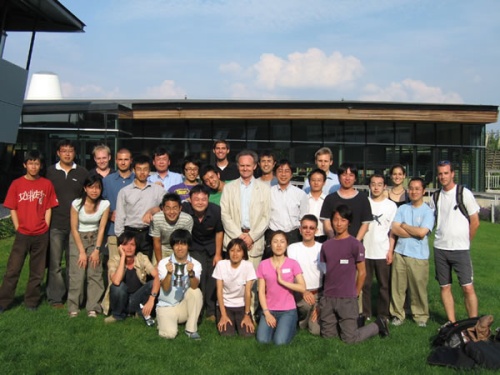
260 211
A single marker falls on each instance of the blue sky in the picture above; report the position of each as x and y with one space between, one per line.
444 51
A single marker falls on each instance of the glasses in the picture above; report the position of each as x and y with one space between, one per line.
305 227
444 162
283 171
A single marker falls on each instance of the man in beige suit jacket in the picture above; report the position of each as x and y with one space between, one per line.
246 206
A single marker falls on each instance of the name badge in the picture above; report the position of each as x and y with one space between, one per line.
285 270
344 261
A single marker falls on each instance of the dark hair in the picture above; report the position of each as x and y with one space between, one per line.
268 154
344 211
181 236
199 189
141 159
281 163
344 167
397 166
377 175
33 155
309 217
172 197
242 245
89 181
422 181
126 237
207 168
160 150
192 160
64 143
314 171
217 141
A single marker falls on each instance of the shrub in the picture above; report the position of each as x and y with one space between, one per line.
6 228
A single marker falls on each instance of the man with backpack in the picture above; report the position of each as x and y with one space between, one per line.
457 221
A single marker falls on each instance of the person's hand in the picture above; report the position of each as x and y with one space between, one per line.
223 322
94 258
309 297
121 251
388 258
148 307
146 219
278 275
270 319
247 324
82 260
217 259
113 216
189 266
170 267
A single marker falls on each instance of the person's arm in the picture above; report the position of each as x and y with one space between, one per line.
328 229
298 286
95 258
473 225
194 281
150 304
82 258
166 283
247 321
224 319
117 276
397 231
362 231
270 319
148 216
14 218
120 216
48 216
415 232
390 253
157 248
360 276
219 237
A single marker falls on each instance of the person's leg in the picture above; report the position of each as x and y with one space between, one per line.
56 285
118 298
139 296
76 277
367 288
194 304
230 329
398 286
418 278
304 311
348 322
210 295
237 314
264 331
328 318
465 273
14 266
286 326
443 276
168 320
313 325
38 257
95 283
383 275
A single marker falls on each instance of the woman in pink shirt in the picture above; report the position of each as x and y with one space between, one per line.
279 276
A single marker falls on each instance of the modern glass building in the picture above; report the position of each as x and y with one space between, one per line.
372 135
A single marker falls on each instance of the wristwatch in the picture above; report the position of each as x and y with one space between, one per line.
154 295
191 274
249 313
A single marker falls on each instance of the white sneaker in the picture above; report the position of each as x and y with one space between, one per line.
396 322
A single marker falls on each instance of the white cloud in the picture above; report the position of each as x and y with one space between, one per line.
231 68
409 90
166 90
88 91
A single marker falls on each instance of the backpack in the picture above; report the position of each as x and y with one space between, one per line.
460 202
454 335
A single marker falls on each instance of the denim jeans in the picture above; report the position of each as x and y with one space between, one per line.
122 303
56 281
286 326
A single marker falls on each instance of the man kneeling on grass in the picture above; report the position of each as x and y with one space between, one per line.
344 257
130 291
180 299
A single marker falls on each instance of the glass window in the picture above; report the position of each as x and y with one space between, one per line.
448 134
425 134
229 129
355 132
473 134
280 130
404 133
161 129
258 130
380 132
307 131
334 131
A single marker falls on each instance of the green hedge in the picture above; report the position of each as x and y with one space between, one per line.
6 228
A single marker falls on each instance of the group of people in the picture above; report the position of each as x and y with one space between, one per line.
191 245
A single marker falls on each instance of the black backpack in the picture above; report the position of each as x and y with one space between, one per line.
454 335
460 202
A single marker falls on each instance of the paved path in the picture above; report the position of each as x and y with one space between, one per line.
4 212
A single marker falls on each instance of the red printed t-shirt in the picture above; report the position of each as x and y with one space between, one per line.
31 199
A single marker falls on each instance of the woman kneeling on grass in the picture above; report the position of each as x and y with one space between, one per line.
235 277
89 215
279 276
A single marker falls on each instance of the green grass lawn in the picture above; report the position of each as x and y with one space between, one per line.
47 341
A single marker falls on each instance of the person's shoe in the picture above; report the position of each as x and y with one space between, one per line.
383 327
396 322
73 314
422 324
193 335
110 319
58 305
448 323
92 314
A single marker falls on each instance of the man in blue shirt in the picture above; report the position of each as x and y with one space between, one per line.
162 176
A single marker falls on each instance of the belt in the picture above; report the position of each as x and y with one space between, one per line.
136 230
245 230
